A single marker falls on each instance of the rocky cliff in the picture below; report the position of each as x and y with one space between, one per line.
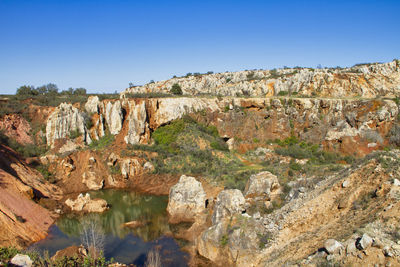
366 80
340 124
22 220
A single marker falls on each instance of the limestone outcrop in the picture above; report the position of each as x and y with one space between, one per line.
229 202
186 200
84 203
114 116
130 168
93 104
90 179
138 128
264 185
65 120
366 80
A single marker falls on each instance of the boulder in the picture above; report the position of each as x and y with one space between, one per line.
186 199
364 242
68 147
130 168
228 203
148 166
64 120
90 179
21 260
84 203
332 246
263 184
92 104
72 251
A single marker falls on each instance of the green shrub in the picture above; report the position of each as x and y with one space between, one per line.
103 142
176 89
28 150
48 176
394 135
7 253
294 166
283 93
219 145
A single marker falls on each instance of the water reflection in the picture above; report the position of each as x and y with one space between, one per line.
122 243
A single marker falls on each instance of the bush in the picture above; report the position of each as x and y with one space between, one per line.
29 150
394 135
283 93
103 142
176 89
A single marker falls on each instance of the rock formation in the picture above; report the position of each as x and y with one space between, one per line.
368 81
84 203
229 202
63 121
16 127
264 185
22 221
186 200
114 117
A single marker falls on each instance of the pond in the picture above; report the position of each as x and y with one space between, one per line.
124 244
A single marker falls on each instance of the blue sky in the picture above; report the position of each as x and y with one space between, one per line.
105 44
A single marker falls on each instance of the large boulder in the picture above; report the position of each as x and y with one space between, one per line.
65 120
228 203
332 246
21 260
114 117
84 203
263 184
186 199
229 243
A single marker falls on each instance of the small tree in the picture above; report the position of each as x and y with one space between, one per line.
27 90
176 89
80 91
92 237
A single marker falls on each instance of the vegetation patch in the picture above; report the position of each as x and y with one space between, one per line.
103 142
187 147
28 150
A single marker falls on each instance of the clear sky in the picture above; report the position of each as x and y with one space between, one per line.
103 45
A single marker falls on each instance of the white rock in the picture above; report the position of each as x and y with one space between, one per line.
186 199
396 182
131 168
21 260
262 184
333 246
64 120
345 184
364 242
114 117
92 104
86 204
229 202
138 128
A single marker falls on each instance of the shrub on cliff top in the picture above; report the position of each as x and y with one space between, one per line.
176 89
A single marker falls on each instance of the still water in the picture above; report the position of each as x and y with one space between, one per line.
123 244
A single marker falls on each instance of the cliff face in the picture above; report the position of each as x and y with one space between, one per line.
367 81
351 126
